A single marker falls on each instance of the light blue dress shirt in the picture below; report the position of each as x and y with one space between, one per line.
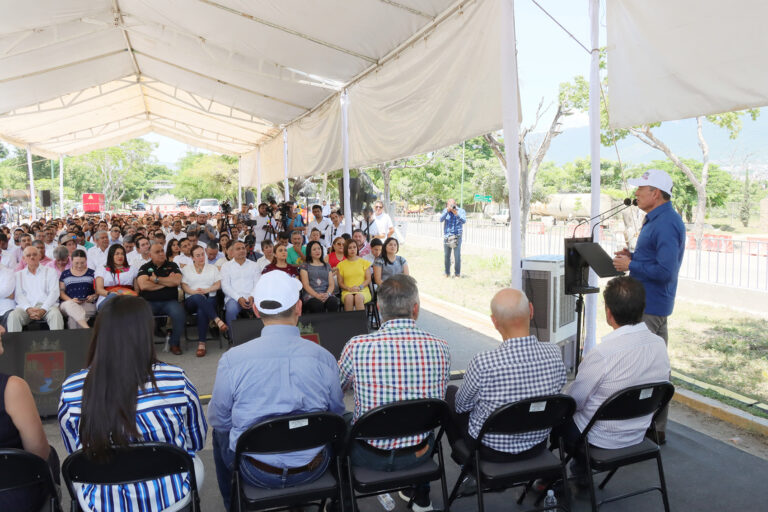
277 374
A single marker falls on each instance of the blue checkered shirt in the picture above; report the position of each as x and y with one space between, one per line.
519 368
397 362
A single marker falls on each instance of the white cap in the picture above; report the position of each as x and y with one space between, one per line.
653 178
279 290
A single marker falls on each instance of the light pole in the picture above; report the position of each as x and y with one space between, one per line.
461 198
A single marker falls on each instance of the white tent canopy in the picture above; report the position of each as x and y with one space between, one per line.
228 75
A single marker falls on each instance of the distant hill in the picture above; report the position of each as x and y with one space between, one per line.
681 137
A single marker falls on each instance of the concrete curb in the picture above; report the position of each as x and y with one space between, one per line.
483 325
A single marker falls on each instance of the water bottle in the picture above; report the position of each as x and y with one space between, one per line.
387 502
550 502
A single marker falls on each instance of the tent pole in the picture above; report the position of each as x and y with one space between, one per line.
594 150
239 183
31 183
345 153
511 123
285 164
258 176
61 186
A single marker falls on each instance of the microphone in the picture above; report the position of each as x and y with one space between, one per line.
625 203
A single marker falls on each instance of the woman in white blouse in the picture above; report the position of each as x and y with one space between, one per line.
116 277
200 281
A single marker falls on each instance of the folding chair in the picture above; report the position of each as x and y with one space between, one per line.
20 469
398 419
632 402
372 309
289 434
130 464
532 414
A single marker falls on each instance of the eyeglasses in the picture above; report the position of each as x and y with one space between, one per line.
378 207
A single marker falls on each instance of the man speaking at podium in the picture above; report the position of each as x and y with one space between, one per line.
657 257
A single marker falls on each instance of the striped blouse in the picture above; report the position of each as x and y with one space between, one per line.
171 414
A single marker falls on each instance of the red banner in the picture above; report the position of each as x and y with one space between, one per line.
93 203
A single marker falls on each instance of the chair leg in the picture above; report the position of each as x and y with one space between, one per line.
351 485
663 482
591 480
608 477
525 491
443 483
480 505
455 490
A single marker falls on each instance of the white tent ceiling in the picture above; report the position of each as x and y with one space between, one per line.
225 75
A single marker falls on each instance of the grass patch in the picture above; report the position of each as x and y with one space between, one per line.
716 345
754 411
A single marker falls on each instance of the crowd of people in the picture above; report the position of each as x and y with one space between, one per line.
64 271
127 395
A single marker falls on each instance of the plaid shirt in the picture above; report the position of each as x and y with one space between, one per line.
398 362
520 368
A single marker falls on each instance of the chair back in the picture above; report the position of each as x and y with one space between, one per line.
128 465
536 413
293 433
401 419
633 402
19 469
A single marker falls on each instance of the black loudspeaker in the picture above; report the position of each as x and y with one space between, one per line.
250 198
45 198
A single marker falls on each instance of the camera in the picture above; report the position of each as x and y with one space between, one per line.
226 207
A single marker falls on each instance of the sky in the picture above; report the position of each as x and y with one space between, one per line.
547 56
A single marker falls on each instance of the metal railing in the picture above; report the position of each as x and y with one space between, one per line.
721 259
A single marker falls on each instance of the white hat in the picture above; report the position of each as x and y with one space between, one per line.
276 292
653 178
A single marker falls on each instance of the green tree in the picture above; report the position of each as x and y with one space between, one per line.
206 175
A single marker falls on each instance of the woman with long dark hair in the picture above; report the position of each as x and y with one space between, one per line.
126 396
317 279
389 263
200 281
115 278
172 249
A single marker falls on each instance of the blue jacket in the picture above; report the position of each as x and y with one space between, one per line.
657 258
453 224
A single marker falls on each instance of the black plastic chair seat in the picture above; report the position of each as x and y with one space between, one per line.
370 480
602 458
544 463
325 486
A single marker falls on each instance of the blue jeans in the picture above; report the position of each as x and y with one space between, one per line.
205 307
175 311
456 258
109 297
224 459
231 310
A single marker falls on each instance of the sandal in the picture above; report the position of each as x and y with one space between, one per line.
221 325
200 351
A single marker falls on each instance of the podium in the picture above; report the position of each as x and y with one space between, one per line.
581 254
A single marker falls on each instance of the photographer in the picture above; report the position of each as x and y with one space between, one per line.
291 219
206 233
453 219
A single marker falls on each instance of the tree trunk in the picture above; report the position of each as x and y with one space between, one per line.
386 176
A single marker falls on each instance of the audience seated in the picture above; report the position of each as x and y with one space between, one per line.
172 249
60 261
376 246
630 355
296 251
7 253
124 396
185 252
21 428
77 292
140 255
322 225
276 374
280 262
398 362
317 280
521 367
362 244
354 276
389 263
158 282
336 253
36 295
115 277
200 282
238 279
268 254
7 288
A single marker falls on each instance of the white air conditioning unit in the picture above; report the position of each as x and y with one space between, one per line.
554 313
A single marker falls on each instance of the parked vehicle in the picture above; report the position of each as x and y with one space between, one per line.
210 206
502 217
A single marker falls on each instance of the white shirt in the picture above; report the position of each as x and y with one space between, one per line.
336 232
96 257
258 229
383 224
262 263
239 280
324 226
182 260
204 279
8 258
110 279
49 249
7 286
629 356
135 259
326 210
174 236
41 288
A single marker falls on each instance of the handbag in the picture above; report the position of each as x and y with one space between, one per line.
452 241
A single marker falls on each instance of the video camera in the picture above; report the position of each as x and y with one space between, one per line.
226 207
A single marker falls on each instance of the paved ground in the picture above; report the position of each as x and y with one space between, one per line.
703 472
